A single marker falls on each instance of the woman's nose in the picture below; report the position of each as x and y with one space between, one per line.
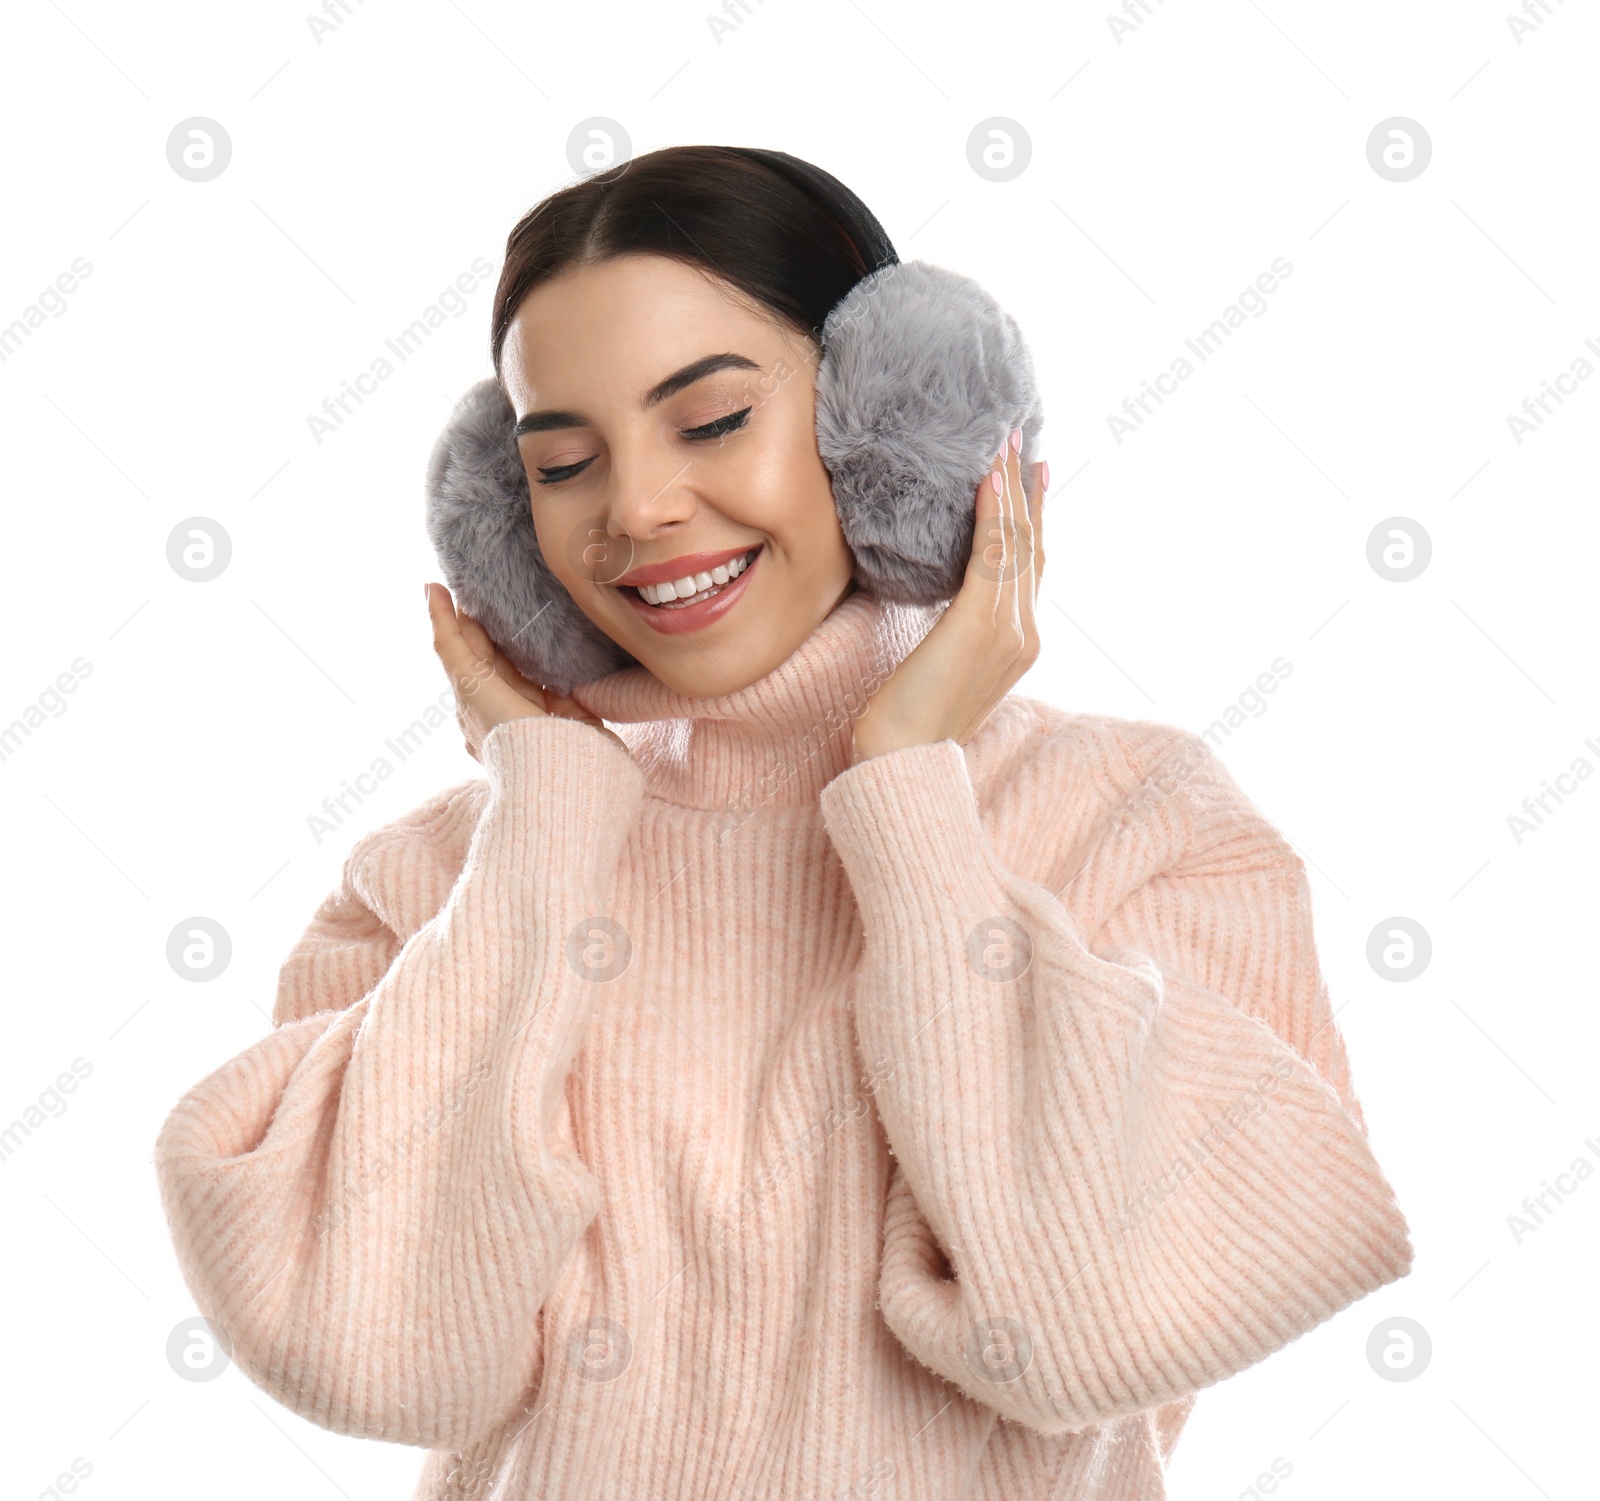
647 492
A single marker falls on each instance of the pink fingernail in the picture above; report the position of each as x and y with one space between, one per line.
1016 440
997 482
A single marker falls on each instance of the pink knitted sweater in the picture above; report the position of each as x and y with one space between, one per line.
728 1121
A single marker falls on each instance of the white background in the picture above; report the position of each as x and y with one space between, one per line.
1231 529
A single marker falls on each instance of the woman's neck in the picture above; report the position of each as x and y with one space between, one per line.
780 739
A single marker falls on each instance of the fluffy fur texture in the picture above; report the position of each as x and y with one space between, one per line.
922 377
481 523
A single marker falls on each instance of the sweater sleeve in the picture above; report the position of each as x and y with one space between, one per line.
1122 1171
374 1201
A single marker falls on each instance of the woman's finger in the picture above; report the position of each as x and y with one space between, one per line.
465 666
1017 598
1041 485
1026 497
986 561
1006 616
1034 543
475 635
503 666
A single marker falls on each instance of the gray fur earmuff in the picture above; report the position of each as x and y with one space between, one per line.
922 376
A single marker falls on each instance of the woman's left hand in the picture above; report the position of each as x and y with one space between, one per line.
985 640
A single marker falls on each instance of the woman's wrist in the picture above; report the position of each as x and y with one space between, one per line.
865 747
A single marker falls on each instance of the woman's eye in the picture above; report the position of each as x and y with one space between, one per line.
720 428
555 474
559 472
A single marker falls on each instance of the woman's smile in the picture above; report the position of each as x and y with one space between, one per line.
701 588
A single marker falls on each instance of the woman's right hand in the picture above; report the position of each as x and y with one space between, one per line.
489 690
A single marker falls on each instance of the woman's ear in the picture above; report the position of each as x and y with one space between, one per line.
481 526
923 375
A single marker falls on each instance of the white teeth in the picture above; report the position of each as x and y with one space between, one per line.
695 583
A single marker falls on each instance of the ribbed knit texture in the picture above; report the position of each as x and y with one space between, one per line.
723 1120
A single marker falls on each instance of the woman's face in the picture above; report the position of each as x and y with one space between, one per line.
668 429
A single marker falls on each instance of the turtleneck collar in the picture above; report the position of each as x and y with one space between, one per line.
779 740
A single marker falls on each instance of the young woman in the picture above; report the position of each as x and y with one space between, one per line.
843 1077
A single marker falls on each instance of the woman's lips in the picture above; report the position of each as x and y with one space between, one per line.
685 618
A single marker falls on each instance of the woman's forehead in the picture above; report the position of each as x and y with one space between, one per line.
623 328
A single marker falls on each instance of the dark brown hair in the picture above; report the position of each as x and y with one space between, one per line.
779 229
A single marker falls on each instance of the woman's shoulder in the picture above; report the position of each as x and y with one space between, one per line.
1025 735
394 879
404 869
1131 768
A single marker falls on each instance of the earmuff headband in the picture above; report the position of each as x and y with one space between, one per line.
922 376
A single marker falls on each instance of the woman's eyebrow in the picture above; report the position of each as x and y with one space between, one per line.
707 364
